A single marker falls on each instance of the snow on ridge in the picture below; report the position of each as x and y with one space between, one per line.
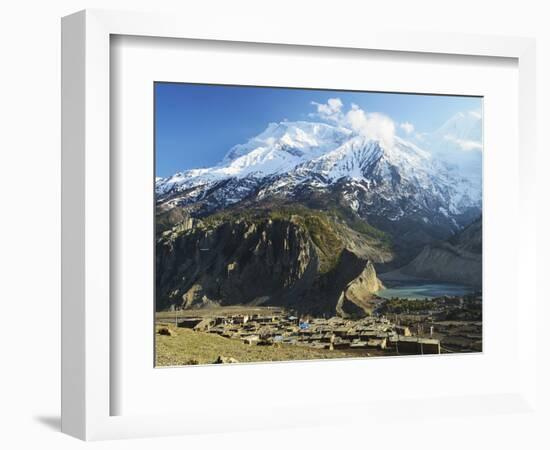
290 153
305 136
278 149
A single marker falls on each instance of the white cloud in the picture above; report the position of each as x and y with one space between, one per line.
331 110
475 114
382 128
407 127
420 136
463 131
335 104
465 144
374 125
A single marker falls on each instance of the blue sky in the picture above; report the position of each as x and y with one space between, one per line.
195 125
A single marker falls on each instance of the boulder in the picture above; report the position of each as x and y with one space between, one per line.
225 360
165 331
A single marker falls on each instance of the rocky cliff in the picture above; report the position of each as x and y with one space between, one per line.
304 260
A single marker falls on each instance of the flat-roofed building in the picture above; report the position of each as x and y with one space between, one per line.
416 345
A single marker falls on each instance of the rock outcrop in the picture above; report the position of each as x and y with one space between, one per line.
357 294
300 262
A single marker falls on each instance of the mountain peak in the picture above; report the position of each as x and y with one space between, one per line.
288 157
300 136
460 134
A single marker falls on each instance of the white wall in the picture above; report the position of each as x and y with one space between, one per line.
30 187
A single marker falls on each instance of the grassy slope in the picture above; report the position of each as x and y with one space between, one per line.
194 347
322 226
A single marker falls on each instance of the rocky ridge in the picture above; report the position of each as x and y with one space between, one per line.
308 262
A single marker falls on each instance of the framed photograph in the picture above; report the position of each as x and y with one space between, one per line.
291 216
331 233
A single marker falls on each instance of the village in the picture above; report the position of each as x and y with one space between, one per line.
376 335
397 327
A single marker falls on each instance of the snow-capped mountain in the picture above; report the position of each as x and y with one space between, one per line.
293 160
458 144
404 177
278 150
462 131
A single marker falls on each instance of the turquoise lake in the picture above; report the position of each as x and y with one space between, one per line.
419 290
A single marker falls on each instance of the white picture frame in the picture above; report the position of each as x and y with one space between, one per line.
87 321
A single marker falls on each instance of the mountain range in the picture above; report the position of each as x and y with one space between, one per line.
376 205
